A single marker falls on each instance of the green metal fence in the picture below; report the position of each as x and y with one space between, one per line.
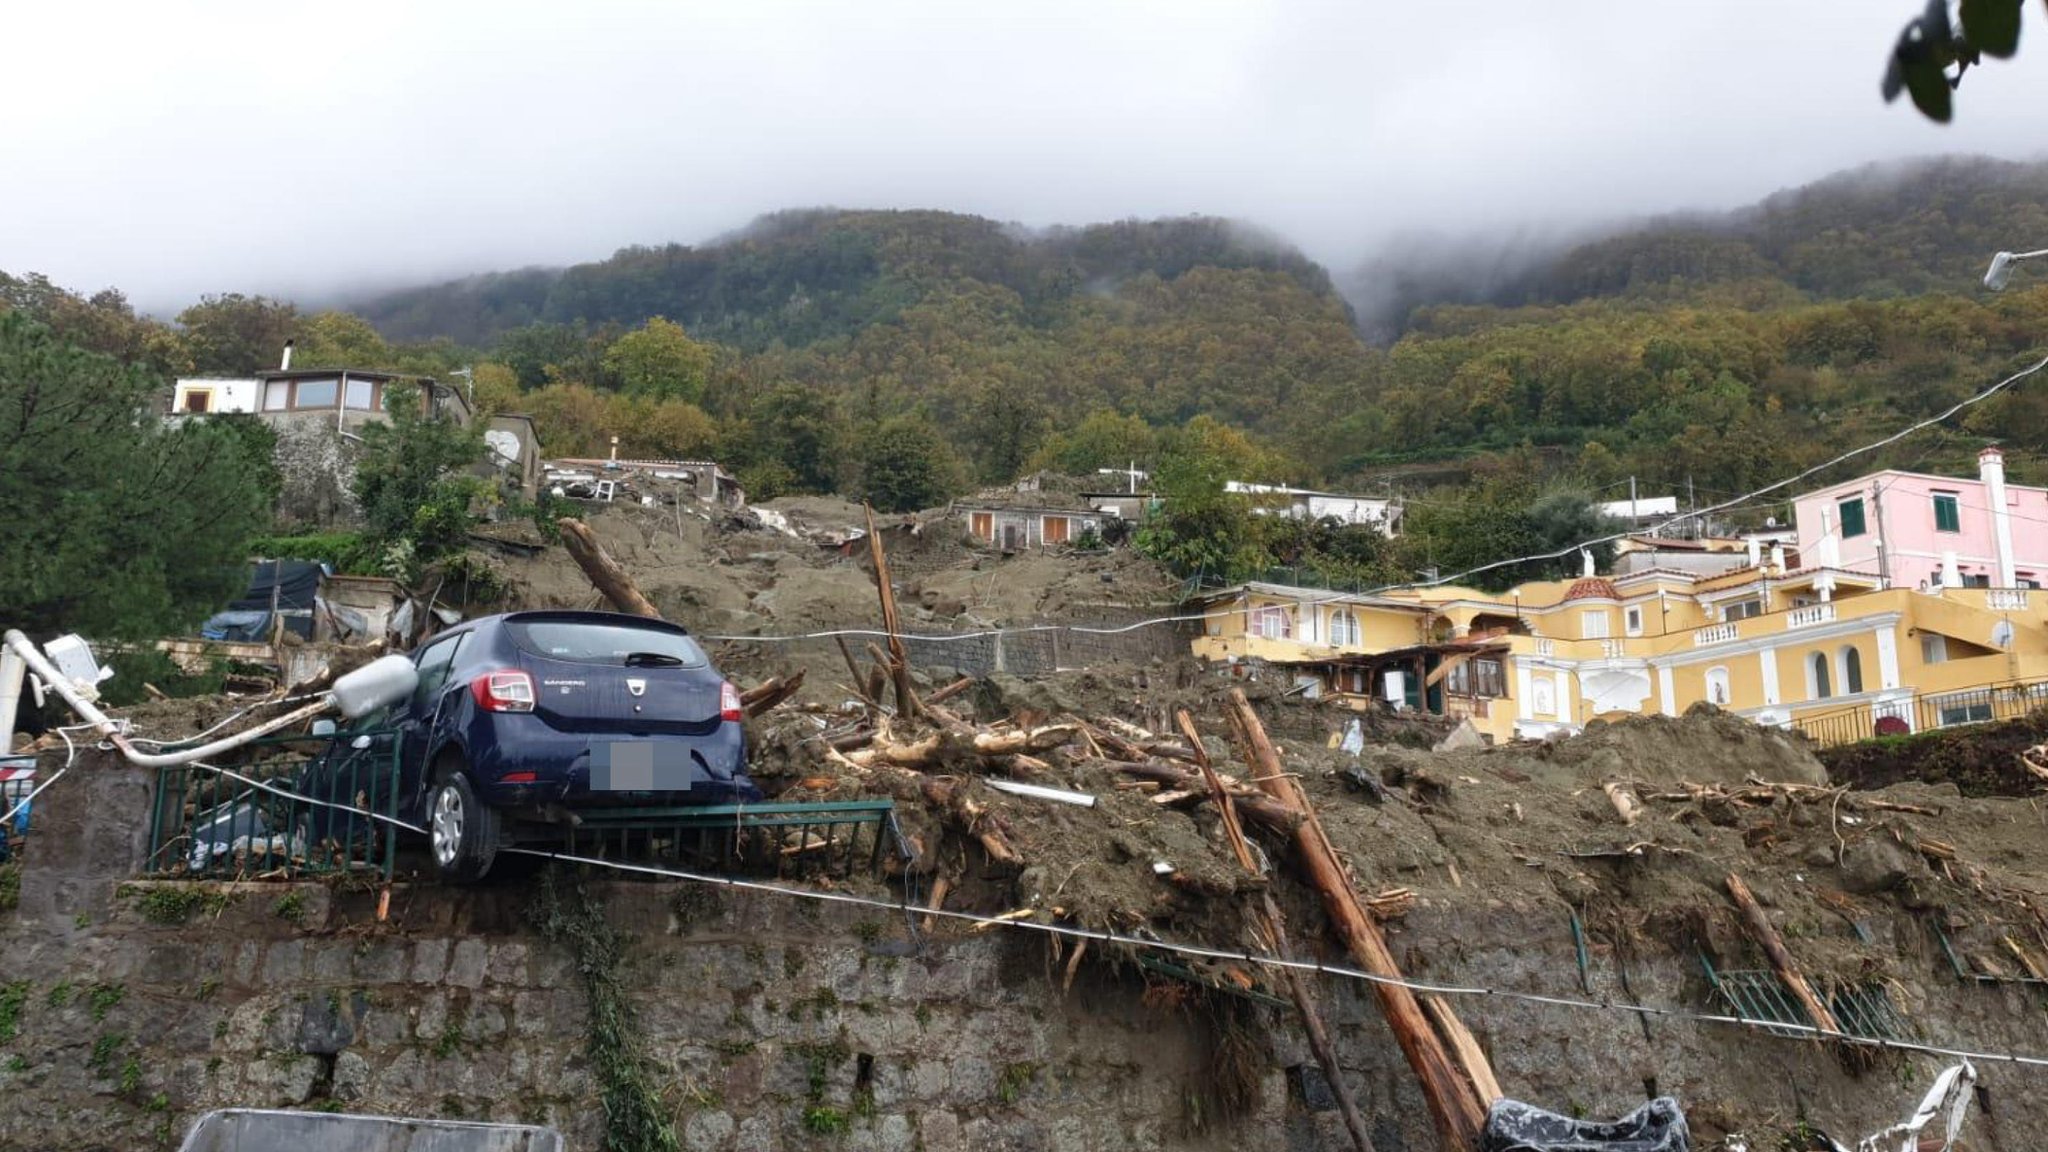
790 838
1862 1010
295 807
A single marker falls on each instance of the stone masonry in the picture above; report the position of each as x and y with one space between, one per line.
758 1010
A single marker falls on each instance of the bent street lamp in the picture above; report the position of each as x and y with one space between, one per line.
2001 267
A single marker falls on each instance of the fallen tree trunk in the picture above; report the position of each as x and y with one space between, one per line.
1275 926
1451 1093
1251 803
956 744
610 580
973 817
899 659
1781 960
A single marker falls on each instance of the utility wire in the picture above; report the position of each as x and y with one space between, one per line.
1973 399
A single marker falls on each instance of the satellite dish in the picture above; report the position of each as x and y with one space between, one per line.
2001 634
503 444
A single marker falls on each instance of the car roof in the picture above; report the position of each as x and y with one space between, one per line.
571 615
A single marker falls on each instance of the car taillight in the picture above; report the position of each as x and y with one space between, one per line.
503 691
729 706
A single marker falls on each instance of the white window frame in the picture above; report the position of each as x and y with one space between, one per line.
1344 628
1850 685
1273 622
1739 609
1632 620
1819 675
1593 624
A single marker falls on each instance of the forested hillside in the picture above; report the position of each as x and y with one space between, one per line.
1879 232
798 277
908 356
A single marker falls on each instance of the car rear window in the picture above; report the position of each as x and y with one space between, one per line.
582 642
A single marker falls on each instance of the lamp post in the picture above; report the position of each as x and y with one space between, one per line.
2001 267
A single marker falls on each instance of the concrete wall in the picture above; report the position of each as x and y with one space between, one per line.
756 1007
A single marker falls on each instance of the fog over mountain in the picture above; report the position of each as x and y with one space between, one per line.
251 147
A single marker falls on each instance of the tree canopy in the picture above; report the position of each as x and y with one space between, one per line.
114 524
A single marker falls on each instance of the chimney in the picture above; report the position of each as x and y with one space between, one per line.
1756 552
285 365
1991 470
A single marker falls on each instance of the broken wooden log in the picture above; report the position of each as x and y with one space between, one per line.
899 659
1781 961
1624 804
1465 1045
605 574
953 745
1275 930
1137 750
976 819
950 690
767 694
1451 1092
1252 804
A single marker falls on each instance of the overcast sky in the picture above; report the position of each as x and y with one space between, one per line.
174 148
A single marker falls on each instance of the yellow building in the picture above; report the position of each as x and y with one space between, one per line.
1833 652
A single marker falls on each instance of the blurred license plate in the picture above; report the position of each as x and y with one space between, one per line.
639 766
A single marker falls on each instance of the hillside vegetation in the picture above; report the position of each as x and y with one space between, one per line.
906 356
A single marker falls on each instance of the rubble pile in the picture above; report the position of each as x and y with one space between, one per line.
795 565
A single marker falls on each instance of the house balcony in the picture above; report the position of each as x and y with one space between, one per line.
1812 614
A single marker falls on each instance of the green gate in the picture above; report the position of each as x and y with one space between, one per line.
301 805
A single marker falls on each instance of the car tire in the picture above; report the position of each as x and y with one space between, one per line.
463 832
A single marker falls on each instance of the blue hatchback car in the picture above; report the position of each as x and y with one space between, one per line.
521 719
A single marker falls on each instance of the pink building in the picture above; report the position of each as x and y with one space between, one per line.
1918 530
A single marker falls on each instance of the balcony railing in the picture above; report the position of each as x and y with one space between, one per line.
1921 713
1809 616
2005 599
1715 634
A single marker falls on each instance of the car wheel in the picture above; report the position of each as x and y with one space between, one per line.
463 830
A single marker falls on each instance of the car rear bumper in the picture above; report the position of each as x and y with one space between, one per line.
712 767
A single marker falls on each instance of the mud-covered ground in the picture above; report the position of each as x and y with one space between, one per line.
786 567
1980 760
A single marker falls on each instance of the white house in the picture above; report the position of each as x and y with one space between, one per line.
197 394
1306 504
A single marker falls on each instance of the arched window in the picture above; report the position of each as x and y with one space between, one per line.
1817 671
1852 670
1717 686
1344 630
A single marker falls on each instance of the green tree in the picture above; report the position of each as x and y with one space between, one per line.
1201 529
341 340
497 389
236 335
1004 428
905 465
794 431
1104 438
658 360
112 523
413 481
542 353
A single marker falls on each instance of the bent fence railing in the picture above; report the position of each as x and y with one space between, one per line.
1930 710
296 807
783 838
